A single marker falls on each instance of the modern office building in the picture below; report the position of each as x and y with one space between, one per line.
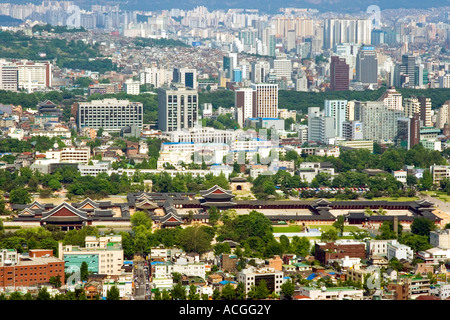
259 72
177 108
265 100
34 76
156 76
253 276
243 103
185 76
9 77
339 74
110 114
367 66
408 131
103 255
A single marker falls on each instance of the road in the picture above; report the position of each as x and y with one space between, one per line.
141 281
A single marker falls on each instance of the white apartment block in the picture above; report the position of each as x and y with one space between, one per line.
156 76
282 68
399 251
131 86
70 155
265 100
252 277
392 99
94 169
58 131
440 238
124 284
434 255
439 172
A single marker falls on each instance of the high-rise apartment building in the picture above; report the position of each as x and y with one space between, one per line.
392 99
443 115
425 111
336 31
367 66
411 106
156 76
336 109
339 74
177 108
109 114
380 123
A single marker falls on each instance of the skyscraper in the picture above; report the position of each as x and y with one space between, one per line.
339 74
367 66
337 109
177 108
265 100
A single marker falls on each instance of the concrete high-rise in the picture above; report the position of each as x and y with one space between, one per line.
177 108
185 76
243 103
337 109
339 74
265 100
367 66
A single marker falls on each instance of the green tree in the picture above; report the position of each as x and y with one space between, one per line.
228 292
178 292
141 218
262 292
422 226
84 271
196 239
287 289
113 293
43 294
339 225
330 235
20 196
193 295
56 281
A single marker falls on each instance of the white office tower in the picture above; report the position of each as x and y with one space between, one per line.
131 86
320 128
156 77
9 77
444 81
260 71
301 83
392 99
337 109
34 76
282 68
243 102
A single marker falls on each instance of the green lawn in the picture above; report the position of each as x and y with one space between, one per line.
441 195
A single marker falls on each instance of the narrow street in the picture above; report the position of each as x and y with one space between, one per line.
140 281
